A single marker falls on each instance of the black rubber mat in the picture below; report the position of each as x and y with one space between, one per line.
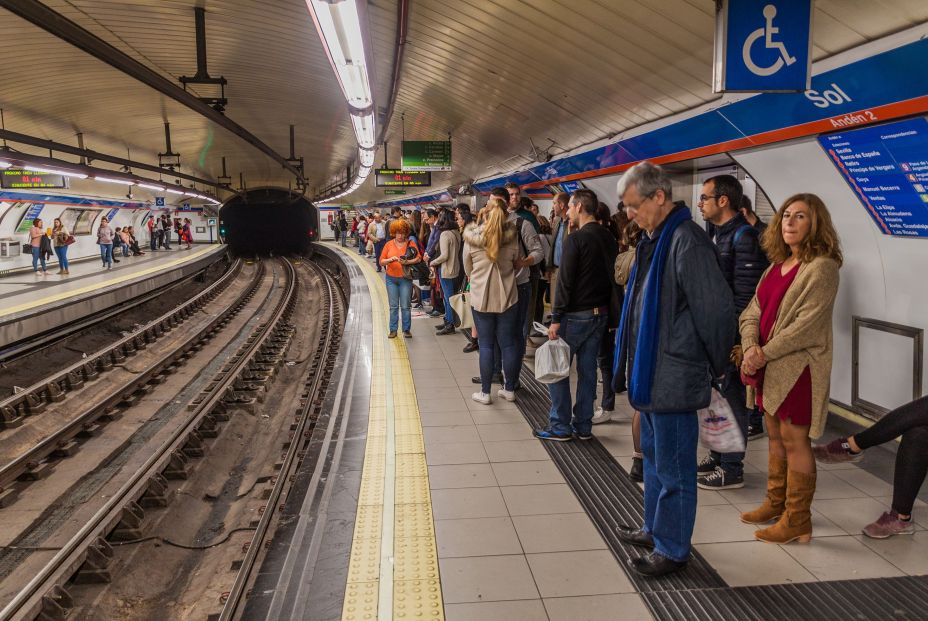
607 494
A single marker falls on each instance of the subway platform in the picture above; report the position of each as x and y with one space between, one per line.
423 504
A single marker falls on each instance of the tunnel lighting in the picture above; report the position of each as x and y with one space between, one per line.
151 186
339 26
366 157
364 172
57 171
175 191
364 129
4 164
114 180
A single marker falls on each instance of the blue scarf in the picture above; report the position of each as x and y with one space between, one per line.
641 374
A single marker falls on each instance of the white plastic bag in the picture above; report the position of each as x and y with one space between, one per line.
552 359
718 429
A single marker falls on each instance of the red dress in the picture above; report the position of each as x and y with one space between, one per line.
797 406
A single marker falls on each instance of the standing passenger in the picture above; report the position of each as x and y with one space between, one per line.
166 231
342 229
35 241
396 253
743 262
676 332
378 235
561 225
362 236
756 424
105 237
152 236
580 316
787 341
490 251
60 235
447 264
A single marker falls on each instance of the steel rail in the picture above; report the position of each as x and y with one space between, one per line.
330 339
28 602
35 396
58 25
31 459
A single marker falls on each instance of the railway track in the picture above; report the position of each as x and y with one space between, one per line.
85 555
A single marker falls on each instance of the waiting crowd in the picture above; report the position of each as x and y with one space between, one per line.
665 312
43 242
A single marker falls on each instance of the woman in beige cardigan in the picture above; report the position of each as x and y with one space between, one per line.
490 252
787 342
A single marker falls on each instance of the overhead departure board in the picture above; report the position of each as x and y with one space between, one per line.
392 178
29 179
419 155
887 167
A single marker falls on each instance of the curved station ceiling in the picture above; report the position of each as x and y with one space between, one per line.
512 82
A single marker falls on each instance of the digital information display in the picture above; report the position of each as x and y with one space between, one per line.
887 167
27 179
392 178
420 155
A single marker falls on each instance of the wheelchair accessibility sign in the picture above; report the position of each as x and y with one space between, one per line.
763 46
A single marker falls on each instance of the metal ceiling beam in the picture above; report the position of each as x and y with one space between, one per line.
89 154
66 30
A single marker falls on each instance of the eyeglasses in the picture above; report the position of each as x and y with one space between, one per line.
704 197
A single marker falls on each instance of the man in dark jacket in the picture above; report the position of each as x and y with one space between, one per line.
579 316
743 263
756 424
676 333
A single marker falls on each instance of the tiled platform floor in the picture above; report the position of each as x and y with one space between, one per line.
514 543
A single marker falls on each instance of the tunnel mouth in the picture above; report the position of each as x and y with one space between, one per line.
269 221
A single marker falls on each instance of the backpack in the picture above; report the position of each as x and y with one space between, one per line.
535 268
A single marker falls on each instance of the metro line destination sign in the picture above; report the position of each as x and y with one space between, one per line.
426 155
392 178
30 179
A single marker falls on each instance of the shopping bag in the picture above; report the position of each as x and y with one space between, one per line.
463 317
718 429
552 359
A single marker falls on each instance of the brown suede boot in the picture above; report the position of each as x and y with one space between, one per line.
796 522
775 501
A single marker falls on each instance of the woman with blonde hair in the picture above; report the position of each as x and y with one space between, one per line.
490 252
787 342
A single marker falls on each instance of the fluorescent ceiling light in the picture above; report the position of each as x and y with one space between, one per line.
151 186
174 191
57 171
363 172
339 25
114 180
364 129
367 157
190 194
5 164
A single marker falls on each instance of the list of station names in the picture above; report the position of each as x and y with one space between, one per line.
887 167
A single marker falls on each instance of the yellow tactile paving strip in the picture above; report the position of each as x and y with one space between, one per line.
115 280
393 568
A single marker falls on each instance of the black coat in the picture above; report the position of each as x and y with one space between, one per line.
741 258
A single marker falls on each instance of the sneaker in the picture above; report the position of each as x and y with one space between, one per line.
482 397
720 480
583 436
392 334
602 416
836 452
888 525
636 474
470 347
706 466
508 395
545 434
755 433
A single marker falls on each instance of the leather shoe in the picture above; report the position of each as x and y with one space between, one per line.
635 536
655 565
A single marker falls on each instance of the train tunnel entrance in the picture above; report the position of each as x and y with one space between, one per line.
269 221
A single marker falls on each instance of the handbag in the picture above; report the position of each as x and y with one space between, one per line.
27 248
463 315
70 240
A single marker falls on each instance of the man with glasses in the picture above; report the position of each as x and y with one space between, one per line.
743 263
676 332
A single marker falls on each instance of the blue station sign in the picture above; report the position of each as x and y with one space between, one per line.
763 46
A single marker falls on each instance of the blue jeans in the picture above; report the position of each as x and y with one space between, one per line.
521 306
583 331
399 291
498 331
106 253
378 248
447 290
344 238
62 253
37 257
668 442
734 392
360 245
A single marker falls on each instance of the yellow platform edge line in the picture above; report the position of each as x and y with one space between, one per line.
408 585
109 283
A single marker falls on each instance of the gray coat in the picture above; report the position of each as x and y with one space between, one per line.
697 322
449 244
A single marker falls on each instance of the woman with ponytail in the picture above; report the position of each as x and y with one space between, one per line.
490 251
